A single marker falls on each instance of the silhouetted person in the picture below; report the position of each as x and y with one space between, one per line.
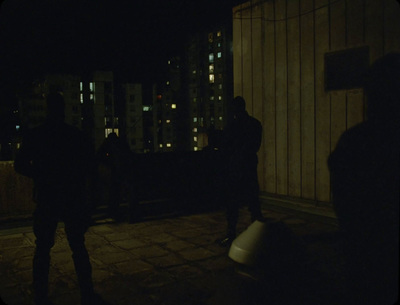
365 188
115 159
241 141
59 160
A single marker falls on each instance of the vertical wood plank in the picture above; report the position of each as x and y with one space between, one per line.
281 99
269 92
392 26
337 25
338 42
257 79
355 22
307 100
355 34
322 103
355 107
237 51
338 116
247 72
294 123
374 28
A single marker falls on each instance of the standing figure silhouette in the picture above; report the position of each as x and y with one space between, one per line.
365 189
59 159
241 142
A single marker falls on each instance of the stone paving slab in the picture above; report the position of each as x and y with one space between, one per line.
161 262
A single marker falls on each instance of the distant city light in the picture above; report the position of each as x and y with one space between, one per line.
173 106
146 108
169 144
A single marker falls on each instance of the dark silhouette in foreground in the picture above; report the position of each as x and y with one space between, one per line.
59 160
241 141
365 188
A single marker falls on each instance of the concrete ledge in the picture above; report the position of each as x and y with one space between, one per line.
322 212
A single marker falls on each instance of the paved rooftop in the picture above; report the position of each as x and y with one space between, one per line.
175 260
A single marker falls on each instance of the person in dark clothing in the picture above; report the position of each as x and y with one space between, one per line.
241 142
365 189
116 162
59 160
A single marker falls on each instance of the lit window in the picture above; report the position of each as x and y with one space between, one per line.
219 54
161 145
195 148
91 96
81 86
195 119
220 86
219 34
219 44
169 144
194 71
195 129
212 97
220 118
17 127
211 78
195 139
81 97
173 106
211 68
168 121
210 37
167 83
211 57
220 98
169 62
146 108
91 87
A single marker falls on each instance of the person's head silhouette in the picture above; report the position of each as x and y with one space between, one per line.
382 87
238 106
55 107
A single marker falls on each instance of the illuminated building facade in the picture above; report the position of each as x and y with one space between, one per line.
209 74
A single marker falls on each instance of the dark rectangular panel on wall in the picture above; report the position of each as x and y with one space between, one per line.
346 69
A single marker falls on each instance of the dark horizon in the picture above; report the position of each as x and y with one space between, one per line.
132 39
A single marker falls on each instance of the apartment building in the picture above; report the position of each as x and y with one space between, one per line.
209 74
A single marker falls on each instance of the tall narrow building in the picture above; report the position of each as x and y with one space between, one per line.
209 73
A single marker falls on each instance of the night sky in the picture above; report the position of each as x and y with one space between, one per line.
129 37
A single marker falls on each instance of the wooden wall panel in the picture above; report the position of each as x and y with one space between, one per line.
257 102
322 113
355 37
269 101
337 42
237 51
281 98
247 71
355 107
280 69
374 28
294 120
307 100
355 22
391 26
337 25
